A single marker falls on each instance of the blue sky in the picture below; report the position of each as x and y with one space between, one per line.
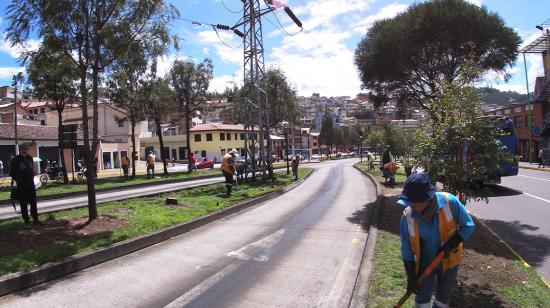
318 59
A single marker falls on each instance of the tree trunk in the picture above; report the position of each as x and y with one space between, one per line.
60 143
88 154
133 123
161 142
188 134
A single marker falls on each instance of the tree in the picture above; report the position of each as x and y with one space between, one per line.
416 53
54 77
375 139
461 125
190 83
327 134
93 33
158 100
282 98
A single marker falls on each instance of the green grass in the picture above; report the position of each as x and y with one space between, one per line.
400 176
140 215
533 293
388 280
53 188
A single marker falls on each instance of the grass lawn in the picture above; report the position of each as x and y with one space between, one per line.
400 176
53 188
65 233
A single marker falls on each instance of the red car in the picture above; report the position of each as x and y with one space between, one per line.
205 163
276 159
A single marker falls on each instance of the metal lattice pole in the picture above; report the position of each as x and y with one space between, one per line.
254 94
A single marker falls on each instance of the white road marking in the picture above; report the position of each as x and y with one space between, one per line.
537 197
532 177
264 245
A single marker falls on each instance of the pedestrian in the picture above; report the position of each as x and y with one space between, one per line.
192 163
541 162
228 170
125 163
22 172
370 159
295 163
151 165
432 222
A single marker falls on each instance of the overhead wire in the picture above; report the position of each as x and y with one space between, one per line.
229 10
221 40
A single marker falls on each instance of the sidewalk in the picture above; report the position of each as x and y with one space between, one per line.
533 166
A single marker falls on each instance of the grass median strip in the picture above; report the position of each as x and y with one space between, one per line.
400 176
490 274
53 188
66 233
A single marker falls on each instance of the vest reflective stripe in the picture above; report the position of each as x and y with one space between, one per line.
447 229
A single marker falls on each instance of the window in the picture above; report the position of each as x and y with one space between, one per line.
41 110
242 136
315 144
222 136
182 152
208 137
35 111
236 136
527 120
517 122
120 123
228 136
222 151
197 137
203 153
43 122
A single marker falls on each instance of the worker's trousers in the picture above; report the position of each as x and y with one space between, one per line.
444 282
228 181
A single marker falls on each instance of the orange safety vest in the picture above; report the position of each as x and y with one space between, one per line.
151 160
228 164
125 161
391 167
447 229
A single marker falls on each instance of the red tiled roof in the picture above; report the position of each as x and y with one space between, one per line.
31 132
211 127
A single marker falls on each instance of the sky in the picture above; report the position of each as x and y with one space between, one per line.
318 59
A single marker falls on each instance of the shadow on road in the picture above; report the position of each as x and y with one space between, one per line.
502 191
363 217
534 248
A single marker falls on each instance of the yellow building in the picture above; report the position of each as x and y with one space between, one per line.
214 140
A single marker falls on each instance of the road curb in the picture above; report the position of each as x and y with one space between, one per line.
525 264
29 278
359 297
535 168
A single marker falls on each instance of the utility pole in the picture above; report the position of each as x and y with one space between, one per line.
16 80
254 87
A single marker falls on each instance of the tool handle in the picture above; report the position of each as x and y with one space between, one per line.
403 299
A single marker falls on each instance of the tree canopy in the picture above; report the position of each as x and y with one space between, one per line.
413 54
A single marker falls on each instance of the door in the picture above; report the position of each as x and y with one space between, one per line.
174 154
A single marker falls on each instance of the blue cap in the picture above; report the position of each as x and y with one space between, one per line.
418 188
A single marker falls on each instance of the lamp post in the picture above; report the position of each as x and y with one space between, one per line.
16 81
361 144
285 125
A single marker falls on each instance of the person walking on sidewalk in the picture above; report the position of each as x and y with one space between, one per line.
125 163
432 222
295 163
228 170
151 166
192 163
540 157
22 172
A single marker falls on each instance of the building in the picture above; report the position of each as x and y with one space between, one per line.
6 113
406 124
213 141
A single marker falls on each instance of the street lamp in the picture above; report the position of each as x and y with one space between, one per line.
17 79
285 125
361 144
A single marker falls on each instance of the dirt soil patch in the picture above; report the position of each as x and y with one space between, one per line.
487 264
56 231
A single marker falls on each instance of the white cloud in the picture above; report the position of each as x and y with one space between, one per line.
386 12
476 2
206 51
219 83
322 12
227 47
8 72
16 51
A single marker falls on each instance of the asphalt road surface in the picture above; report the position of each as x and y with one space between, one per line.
302 249
520 214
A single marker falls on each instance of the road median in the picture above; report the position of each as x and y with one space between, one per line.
490 275
124 227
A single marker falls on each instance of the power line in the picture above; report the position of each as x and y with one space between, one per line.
229 10
226 45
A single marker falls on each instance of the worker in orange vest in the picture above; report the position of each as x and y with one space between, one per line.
228 170
125 163
151 166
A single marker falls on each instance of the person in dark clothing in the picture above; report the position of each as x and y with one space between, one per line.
22 172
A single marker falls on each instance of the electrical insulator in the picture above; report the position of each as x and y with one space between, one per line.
223 27
293 17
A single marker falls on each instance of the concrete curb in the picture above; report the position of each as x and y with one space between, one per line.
359 297
49 271
535 168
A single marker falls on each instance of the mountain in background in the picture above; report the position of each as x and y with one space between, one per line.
494 97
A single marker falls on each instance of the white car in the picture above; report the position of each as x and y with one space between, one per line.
316 157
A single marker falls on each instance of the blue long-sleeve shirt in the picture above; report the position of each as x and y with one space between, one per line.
430 243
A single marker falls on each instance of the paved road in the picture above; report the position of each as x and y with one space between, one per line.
302 249
520 214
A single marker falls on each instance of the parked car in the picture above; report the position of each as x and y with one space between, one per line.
205 163
276 159
316 157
